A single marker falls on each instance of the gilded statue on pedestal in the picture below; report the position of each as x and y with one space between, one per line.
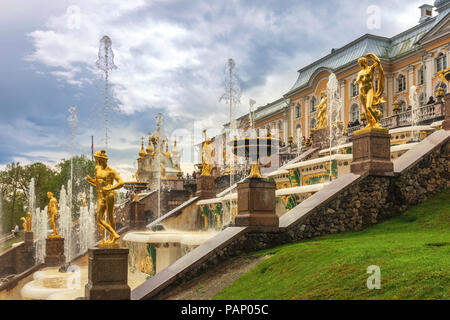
52 212
27 222
207 156
322 112
368 98
106 197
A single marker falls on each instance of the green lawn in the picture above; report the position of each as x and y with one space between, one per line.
412 251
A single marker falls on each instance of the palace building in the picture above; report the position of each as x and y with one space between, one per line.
413 57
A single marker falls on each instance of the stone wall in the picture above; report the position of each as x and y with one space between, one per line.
16 260
365 200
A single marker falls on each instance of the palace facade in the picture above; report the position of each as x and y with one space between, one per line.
413 57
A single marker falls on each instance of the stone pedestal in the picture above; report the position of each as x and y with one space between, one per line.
137 216
54 252
372 151
446 122
256 203
205 187
320 138
108 275
28 238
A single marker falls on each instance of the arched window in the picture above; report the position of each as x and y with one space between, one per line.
354 113
313 123
298 110
312 105
441 62
355 89
420 77
401 83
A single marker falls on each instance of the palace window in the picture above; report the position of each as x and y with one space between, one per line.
298 110
441 62
376 85
354 113
313 123
312 105
401 83
421 77
355 89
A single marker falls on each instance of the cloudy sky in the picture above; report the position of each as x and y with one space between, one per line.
170 57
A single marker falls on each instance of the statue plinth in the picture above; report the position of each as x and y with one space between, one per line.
320 138
54 251
256 203
205 187
28 238
108 275
371 151
446 122
137 216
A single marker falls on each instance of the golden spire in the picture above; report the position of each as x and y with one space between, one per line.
167 154
174 149
142 153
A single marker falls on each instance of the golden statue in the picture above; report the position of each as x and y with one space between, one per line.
322 114
444 75
106 197
368 98
52 211
207 155
27 222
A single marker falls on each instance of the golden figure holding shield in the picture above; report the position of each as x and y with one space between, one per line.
106 197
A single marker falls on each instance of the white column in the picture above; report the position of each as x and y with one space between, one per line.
342 98
429 70
410 76
390 91
306 115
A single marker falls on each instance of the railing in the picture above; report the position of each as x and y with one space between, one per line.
424 113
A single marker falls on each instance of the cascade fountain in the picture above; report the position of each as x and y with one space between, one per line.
65 221
414 101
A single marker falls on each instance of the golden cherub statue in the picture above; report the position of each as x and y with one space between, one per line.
106 197
207 156
52 212
322 114
27 222
368 98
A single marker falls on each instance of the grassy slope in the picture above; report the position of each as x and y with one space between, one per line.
5 245
412 251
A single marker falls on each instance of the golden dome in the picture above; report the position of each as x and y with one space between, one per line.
142 153
167 154
149 148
